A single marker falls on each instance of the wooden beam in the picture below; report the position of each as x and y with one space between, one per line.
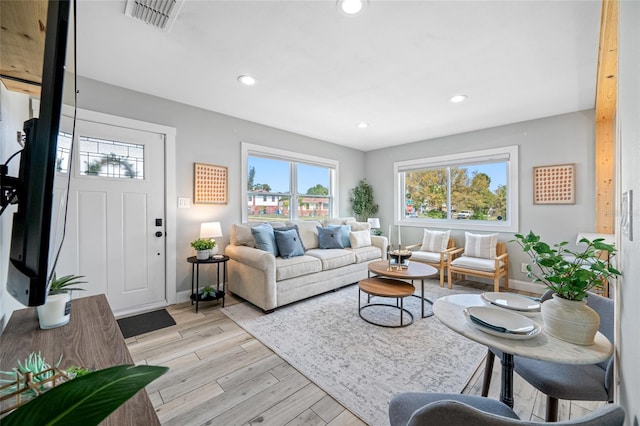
606 99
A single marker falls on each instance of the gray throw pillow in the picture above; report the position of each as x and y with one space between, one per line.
265 238
330 237
288 242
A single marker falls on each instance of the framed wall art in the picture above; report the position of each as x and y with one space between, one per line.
554 184
210 184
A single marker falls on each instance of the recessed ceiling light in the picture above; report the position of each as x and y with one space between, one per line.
362 125
458 98
351 7
247 80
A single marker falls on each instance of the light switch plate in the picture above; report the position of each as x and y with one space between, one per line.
184 203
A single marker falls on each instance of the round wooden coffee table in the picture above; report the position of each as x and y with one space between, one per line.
386 287
414 271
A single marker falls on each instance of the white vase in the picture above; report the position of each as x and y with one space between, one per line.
56 311
570 320
202 254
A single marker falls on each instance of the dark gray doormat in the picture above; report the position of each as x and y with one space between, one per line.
144 323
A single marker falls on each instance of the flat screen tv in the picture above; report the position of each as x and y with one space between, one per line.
30 264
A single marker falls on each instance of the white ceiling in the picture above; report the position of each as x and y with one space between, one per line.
320 72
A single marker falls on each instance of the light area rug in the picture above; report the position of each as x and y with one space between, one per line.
359 364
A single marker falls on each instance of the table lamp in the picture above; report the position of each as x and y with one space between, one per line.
374 223
211 230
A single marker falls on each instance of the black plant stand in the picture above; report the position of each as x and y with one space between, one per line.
195 279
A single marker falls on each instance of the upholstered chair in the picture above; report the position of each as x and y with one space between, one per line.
441 409
482 256
563 381
435 250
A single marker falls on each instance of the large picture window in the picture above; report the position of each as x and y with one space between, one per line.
475 190
281 185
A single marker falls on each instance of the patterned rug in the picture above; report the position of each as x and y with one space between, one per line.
359 364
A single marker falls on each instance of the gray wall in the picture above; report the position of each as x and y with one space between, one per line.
208 137
560 139
629 135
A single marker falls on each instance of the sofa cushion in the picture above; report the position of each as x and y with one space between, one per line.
308 232
333 258
359 226
338 220
265 238
288 242
330 237
435 241
365 254
426 256
480 245
241 236
296 267
360 239
477 263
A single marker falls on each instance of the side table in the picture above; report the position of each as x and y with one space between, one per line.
195 279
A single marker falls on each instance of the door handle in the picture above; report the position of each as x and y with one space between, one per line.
159 234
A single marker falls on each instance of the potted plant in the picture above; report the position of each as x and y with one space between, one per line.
362 201
570 274
203 247
206 292
56 311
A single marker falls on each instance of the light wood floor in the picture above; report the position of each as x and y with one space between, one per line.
221 375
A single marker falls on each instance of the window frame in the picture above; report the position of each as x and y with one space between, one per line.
254 150
508 154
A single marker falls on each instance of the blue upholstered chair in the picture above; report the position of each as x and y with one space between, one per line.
441 409
564 381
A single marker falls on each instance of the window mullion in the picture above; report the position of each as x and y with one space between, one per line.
293 184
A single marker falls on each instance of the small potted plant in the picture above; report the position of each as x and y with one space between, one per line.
56 311
203 247
206 292
570 274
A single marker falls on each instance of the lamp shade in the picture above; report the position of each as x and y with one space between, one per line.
374 222
210 230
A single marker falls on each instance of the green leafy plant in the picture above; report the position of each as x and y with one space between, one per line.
570 274
34 363
203 244
64 284
85 400
362 201
207 291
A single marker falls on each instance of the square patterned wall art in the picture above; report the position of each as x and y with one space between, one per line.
209 184
554 184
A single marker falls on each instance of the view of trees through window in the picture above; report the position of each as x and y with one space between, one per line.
273 186
474 192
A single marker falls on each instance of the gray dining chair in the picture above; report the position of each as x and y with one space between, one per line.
442 409
566 381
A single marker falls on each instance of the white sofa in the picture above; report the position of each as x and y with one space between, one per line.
270 282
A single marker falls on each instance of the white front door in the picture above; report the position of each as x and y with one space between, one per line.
116 218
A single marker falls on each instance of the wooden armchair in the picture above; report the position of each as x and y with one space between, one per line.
439 259
484 266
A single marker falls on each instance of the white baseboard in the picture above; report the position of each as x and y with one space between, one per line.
183 296
139 309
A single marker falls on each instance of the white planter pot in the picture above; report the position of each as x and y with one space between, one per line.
56 311
202 254
570 320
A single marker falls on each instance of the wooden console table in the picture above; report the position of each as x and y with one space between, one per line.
92 339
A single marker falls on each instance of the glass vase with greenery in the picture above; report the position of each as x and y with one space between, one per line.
570 274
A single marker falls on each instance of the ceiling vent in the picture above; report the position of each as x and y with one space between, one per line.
159 13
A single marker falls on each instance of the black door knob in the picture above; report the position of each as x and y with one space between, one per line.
159 234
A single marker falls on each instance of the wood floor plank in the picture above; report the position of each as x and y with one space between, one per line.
347 418
184 403
248 372
252 408
291 407
307 418
327 408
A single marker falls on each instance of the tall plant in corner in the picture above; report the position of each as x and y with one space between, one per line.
362 201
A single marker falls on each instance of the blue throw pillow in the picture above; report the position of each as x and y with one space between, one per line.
265 238
344 235
330 237
287 228
288 242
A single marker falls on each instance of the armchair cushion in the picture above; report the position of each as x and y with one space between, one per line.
427 256
488 265
480 245
435 241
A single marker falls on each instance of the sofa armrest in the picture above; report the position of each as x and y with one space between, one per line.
381 242
250 256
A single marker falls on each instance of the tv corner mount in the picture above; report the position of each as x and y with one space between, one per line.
9 186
